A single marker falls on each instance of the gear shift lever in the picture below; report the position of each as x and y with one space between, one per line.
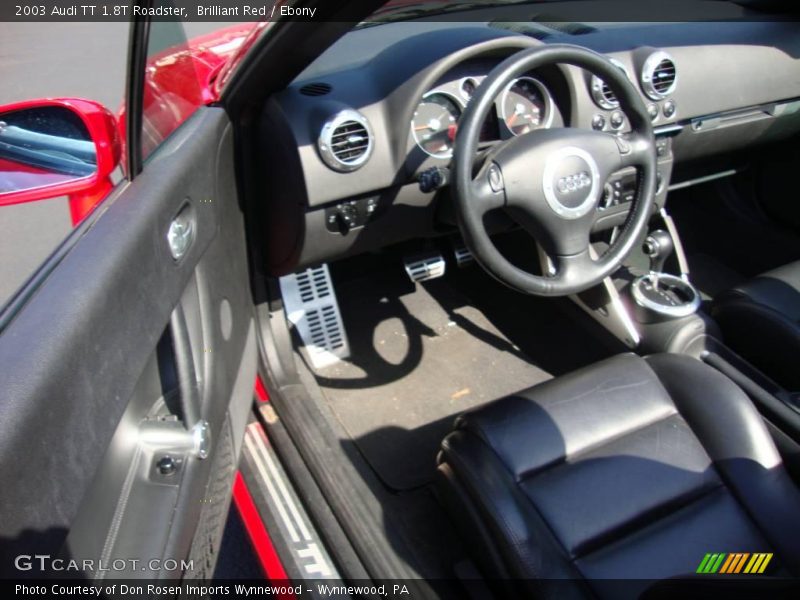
658 246
660 296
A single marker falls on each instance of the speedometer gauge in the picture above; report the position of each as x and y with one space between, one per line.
525 106
435 122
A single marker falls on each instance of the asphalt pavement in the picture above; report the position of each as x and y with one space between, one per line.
39 60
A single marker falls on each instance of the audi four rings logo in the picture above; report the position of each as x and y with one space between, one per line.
571 183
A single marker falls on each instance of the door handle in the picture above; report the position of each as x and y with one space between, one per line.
181 233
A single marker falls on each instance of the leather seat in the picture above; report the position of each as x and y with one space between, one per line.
630 468
760 321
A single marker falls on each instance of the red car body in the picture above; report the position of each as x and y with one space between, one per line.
178 80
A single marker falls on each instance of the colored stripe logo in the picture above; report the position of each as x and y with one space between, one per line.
734 562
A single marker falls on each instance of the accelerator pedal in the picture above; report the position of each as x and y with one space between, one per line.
310 304
422 267
462 254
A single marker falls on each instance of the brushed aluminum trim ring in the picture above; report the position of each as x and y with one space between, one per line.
684 310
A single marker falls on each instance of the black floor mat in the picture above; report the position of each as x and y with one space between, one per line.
557 335
419 356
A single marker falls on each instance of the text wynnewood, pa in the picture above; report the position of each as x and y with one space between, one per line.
396 590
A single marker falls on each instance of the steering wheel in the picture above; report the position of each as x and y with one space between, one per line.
551 180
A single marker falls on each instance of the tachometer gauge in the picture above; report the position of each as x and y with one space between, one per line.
525 106
435 122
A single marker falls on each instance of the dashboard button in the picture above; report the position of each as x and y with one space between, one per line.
598 122
348 216
496 179
670 109
652 110
617 119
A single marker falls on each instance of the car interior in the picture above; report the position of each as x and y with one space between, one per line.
530 294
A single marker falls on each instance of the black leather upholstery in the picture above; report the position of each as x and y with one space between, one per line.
628 469
760 320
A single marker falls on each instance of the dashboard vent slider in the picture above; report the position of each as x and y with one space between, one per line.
602 94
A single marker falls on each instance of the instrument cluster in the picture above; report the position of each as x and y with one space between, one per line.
524 106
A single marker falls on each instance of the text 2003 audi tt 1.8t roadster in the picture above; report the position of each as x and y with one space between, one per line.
518 284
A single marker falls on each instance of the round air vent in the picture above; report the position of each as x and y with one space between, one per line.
658 75
345 142
602 94
315 89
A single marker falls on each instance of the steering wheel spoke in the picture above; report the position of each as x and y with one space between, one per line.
488 190
573 268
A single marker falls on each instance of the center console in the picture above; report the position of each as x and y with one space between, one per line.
621 187
651 304
665 306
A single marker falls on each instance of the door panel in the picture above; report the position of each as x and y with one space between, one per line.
92 361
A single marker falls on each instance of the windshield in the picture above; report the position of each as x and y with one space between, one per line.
400 10
606 10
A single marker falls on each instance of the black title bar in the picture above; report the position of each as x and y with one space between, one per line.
354 10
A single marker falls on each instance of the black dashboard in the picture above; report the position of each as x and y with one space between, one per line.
346 144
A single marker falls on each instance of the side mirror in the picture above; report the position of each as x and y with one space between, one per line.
57 147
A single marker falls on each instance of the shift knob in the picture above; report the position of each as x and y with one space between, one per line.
658 246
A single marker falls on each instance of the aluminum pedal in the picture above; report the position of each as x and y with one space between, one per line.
423 267
463 256
310 304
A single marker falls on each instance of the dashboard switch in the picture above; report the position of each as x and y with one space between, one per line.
351 214
598 122
670 109
432 179
623 145
609 196
617 119
663 146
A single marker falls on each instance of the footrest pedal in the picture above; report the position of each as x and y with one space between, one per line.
310 303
